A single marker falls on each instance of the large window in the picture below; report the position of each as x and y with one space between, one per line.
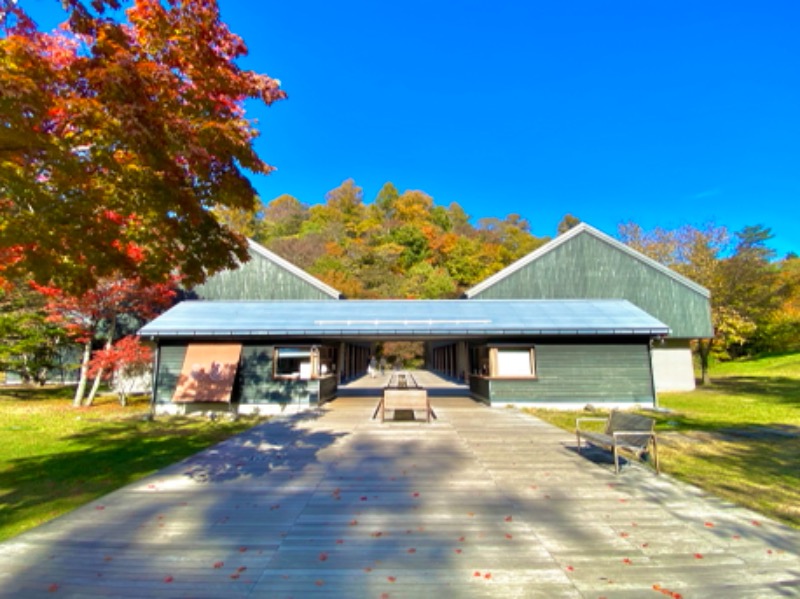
303 362
507 361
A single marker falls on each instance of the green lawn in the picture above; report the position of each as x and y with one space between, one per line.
54 458
738 438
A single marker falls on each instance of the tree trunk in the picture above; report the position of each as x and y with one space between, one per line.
81 388
95 386
704 351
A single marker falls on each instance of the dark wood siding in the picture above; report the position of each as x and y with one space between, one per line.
584 374
587 267
258 279
169 369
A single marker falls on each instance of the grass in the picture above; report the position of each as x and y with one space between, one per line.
54 458
738 438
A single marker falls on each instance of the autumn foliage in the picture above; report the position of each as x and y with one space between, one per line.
119 137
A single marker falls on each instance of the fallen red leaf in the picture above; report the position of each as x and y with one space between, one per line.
235 576
242 549
168 579
377 534
241 568
570 569
340 541
416 495
412 550
477 574
319 583
624 535
353 522
391 578
323 557
461 539
488 575
100 507
367 569
363 498
627 561
698 556
458 550
508 518
709 525
219 564
508 536
52 588
755 523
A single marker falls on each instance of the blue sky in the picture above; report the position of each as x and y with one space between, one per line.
653 111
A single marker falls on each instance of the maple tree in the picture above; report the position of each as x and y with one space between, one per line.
120 136
102 310
123 363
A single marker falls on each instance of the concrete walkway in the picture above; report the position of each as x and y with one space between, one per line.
481 503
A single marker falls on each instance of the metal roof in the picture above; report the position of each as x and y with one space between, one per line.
403 318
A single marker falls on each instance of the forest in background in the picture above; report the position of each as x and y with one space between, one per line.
403 245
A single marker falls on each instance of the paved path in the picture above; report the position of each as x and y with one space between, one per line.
481 503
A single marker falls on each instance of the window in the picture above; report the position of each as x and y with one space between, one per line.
512 361
290 362
309 362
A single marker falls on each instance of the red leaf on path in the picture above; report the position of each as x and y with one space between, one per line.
412 550
319 583
241 568
353 522
570 569
52 588
470 514
677 596
508 518
461 539
242 549
391 578
384 595
477 574
99 507
168 579
627 561
323 557
624 535
458 550
508 536
364 498
488 575
107 558
235 576
368 569
698 556
377 534
755 523
416 495
218 565
736 537
709 525
340 541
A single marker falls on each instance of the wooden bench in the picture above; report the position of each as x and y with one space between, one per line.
406 399
623 430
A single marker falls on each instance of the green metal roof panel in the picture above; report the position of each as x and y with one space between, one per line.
403 318
585 264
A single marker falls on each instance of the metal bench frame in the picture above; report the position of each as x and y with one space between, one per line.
623 430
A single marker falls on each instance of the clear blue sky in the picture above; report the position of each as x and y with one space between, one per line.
658 112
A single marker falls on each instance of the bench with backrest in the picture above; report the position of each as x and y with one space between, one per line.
623 430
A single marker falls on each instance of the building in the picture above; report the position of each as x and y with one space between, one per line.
584 319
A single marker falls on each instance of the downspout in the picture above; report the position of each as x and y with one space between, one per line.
652 373
154 381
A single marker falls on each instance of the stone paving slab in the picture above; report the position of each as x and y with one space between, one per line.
480 503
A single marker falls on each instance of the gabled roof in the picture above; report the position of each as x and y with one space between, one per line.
580 229
403 319
260 250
